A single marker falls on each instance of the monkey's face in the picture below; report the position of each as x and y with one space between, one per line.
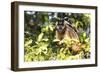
60 26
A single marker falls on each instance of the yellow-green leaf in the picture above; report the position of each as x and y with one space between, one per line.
40 37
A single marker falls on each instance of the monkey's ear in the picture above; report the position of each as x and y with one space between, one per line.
56 23
66 18
54 19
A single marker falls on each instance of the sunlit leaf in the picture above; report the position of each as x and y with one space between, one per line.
56 40
28 42
87 40
45 39
40 37
51 28
84 35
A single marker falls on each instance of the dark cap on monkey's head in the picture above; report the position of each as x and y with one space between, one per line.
61 15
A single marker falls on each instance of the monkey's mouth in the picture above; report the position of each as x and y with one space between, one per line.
60 30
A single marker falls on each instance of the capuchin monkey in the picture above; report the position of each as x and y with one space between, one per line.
65 31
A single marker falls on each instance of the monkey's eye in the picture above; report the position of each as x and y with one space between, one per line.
60 23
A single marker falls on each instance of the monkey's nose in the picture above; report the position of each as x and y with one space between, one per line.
60 28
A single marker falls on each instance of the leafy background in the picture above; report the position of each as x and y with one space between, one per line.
39 36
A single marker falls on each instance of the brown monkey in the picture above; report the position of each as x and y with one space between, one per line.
65 31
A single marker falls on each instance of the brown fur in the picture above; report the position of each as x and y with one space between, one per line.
67 32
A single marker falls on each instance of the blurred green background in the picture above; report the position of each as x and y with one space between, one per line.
39 36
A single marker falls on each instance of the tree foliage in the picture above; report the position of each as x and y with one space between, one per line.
40 43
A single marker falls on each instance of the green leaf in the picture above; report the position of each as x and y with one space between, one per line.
87 40
51 27
84 35
45 40
56 40
28 42
40 37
